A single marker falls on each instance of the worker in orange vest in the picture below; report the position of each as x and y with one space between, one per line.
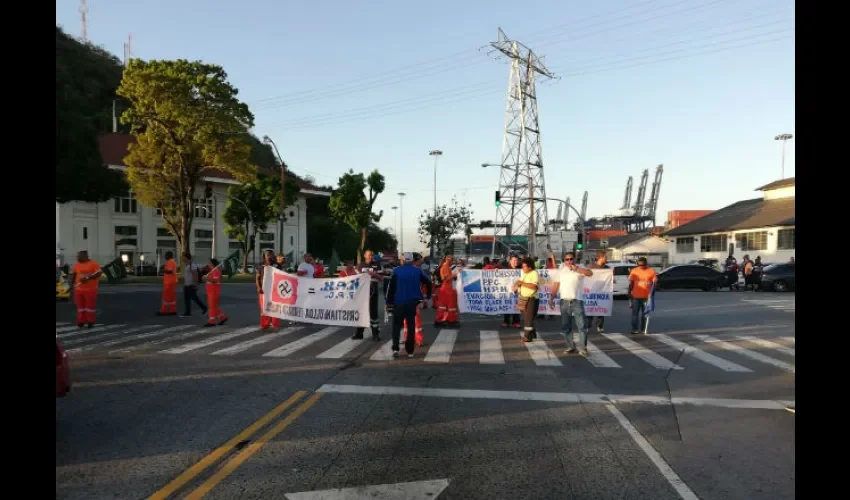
420 339
169 286
213 280
266 322
85 278
447 310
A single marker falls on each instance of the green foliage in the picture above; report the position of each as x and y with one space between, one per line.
187 120
448 221
351 205
262 199
324 234
86 80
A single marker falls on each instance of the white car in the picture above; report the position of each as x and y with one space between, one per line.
621 277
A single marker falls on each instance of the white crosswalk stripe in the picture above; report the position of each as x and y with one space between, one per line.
265 338
86 331
787 305
193 346
757 356
286 350
656 360
304 342
441 349
540 352
767 344
598 358
491 348
701 355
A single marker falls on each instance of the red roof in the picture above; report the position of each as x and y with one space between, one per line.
113 149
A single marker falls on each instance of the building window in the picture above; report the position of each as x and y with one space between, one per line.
85 233
685 245
163 233
203 234
204 208
266 237
125 204
748 242
713 243
787 239
235 245
203 244
166 243
125 235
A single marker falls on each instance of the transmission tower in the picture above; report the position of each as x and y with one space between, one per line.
523 190
84 10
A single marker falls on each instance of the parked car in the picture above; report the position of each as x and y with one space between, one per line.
63 372
778 277
690 276
712 263
621 277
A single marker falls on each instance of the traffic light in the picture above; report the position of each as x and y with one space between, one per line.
498 198
208 191
580 242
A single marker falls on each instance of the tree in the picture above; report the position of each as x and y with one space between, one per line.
350 204
262 198
187 120
448 221
86 80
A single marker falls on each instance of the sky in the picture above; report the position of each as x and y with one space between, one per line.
700 86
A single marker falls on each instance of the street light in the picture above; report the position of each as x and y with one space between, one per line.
401 220
268 140
784 138
436 153
395 220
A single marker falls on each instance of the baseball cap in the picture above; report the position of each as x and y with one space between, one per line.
408 257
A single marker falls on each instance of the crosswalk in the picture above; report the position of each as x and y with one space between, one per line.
733 353
784 305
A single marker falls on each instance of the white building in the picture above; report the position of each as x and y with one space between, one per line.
633 246
123 227
762 227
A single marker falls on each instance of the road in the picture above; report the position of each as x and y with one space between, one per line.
163 407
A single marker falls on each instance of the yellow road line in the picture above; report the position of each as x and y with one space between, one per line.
254 447
224 449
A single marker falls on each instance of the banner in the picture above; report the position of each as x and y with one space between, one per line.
324 301
114 271
489 292
230 264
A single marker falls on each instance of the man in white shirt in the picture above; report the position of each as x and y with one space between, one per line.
306 268
569 289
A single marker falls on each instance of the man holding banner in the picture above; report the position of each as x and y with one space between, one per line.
404 296
569 288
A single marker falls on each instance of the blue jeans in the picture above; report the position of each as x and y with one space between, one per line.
573 310
638 315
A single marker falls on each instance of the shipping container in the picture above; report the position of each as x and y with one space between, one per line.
603 234
482 238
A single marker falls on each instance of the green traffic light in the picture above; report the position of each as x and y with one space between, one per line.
579 246
498 203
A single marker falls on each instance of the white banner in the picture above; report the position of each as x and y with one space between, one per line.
324 301
489 292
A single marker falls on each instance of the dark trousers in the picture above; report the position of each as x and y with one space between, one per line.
528 316
402 312
190 294
511 319
639 315
599 321
373 313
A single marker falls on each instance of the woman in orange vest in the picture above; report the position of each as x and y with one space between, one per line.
85 278
265 321
169 286
213 280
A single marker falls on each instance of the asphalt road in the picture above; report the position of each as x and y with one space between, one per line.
693 410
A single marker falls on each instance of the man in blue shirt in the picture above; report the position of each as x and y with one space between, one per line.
404 295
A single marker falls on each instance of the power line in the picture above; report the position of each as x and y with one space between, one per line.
447 97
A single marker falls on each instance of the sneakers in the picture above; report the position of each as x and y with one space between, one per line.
516 325
600 330
583 352
409 355
395 353
571 350
357 336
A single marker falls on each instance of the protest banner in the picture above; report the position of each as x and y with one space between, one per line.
323 301
489 292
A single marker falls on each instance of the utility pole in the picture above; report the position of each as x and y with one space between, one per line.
531 243
436 153
268 140
84 11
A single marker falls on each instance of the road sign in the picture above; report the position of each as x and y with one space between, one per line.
417 490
